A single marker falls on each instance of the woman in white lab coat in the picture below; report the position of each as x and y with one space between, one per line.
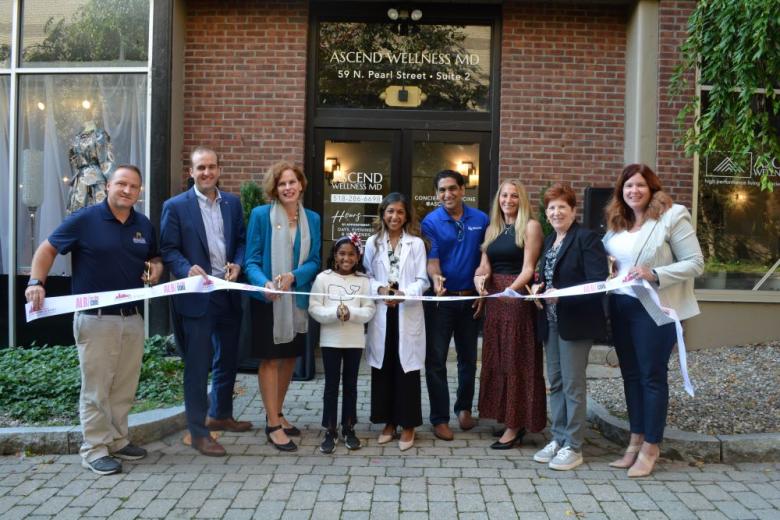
395 260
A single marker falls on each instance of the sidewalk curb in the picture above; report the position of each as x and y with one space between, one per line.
145 427
689 446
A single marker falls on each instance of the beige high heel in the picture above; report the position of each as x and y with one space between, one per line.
644 460
384 438
405 445
632 449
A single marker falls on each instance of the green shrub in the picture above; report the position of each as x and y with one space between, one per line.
40 385
251 197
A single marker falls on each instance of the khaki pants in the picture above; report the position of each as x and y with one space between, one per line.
110 353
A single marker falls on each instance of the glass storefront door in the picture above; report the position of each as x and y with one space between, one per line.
355 169
463 152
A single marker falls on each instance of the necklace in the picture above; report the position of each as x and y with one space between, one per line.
509 229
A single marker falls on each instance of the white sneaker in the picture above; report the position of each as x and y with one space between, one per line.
547 453
566 459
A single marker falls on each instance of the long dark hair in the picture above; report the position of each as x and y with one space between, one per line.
411 226
331 262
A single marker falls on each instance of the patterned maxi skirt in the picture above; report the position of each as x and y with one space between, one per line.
512 389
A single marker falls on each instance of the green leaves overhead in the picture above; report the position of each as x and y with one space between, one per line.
735 47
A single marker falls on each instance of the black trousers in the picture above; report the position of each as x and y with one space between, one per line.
395 395
441 322
333 359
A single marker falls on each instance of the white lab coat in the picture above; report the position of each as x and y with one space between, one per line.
413 281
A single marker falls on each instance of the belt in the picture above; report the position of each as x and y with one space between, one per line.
467 292
114 311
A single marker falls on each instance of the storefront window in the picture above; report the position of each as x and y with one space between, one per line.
429 158
404 66
5 85
73 131
85 33
357 178
5 33
738 225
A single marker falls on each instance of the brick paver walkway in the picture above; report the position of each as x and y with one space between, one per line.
460 479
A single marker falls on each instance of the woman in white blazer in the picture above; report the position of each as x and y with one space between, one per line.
395 260
650 238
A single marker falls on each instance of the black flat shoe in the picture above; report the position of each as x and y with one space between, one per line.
289 446
498 445
292 431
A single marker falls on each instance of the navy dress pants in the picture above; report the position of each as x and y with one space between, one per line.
210 342
643 349
442 320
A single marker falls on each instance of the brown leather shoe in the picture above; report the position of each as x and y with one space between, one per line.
466 421
227 425
208 447
442 431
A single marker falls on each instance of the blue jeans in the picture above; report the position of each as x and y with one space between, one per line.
643 349
210 342
567 362
441 322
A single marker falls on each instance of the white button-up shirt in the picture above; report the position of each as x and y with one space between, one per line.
211 212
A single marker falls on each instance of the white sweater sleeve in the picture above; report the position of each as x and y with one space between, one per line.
318 305
364 309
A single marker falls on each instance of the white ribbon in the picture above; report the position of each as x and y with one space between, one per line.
198 284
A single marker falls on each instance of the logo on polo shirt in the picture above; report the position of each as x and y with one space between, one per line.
474 228
139 238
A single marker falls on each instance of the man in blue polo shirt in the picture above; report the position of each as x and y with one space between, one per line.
113 248
455 232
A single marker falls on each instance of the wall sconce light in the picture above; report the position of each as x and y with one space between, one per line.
41 105
466 168
87 104
339 175
331 164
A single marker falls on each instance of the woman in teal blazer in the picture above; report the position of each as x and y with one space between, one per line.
282 253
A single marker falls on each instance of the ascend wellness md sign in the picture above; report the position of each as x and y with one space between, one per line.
434 67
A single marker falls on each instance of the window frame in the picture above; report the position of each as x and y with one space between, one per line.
722 295
17 70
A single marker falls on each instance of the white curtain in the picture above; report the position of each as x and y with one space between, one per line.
53 109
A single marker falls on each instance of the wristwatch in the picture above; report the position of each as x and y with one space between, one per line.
34 282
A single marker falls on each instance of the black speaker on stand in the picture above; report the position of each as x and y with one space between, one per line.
596 199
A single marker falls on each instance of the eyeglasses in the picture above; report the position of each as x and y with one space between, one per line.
461 230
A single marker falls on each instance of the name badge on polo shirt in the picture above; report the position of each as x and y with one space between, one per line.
139 238
474 228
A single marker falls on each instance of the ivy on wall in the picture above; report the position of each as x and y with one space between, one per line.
735 47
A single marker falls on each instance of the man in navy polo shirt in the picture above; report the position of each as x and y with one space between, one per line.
112 247
455 232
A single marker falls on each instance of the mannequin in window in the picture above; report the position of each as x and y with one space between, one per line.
91 161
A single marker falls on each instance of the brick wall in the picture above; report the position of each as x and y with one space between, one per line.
674 168
562 95
245 83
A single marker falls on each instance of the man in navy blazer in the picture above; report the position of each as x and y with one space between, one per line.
202 233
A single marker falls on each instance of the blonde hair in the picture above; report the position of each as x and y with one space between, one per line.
275 172
498 225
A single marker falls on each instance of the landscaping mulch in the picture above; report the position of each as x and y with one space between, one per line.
737 391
